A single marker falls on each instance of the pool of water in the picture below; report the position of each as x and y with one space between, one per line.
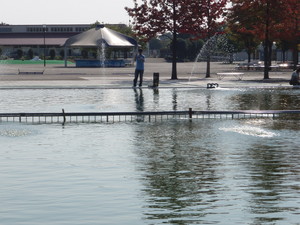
114 100
208 171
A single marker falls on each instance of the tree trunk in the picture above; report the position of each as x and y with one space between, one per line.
231 59
174 57
283 55
174 50
249 59
208 67
295 56
266 60
270 52
266 44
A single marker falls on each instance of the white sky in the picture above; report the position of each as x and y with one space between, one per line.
17 12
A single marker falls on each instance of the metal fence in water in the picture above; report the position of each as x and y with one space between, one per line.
111 117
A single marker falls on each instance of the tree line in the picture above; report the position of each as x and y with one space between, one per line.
246 22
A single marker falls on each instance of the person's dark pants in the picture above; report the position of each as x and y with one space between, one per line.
137 74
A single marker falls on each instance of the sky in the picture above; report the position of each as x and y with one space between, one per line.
23 12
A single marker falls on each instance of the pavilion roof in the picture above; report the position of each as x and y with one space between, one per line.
96 36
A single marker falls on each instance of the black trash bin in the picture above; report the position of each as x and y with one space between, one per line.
155 79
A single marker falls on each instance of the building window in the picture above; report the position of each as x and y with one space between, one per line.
36 29
81 29
5 29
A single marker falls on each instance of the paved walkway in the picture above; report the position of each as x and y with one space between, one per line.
189 75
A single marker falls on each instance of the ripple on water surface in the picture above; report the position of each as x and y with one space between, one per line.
13 130
206 171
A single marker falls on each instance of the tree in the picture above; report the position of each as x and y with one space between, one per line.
155 44
52 54
212 13
290 28
239 34
262 19
30 53
197 17
284 46
181 46
62 54
194 47
154 17
19 53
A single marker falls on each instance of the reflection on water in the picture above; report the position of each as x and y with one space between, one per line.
14 131
203 171
193 173
249 130
178 172
272 183
110 100
139 99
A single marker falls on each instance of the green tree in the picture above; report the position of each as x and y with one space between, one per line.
182 49
52 54
155 43
30 53
62 54
19 53
193 48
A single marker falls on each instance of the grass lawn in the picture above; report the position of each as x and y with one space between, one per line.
33 62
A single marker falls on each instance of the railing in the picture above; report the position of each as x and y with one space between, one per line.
97 117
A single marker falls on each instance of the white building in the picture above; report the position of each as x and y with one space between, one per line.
17 41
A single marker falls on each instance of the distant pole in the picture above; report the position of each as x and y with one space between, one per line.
44 30
65 56
190 113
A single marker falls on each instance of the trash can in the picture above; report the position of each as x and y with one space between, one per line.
155 79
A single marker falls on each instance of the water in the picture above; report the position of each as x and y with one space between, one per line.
115 100
169 172
217 48
102 57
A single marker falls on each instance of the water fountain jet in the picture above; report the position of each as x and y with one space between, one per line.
217 48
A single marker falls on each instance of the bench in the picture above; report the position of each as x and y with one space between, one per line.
30 72
238 76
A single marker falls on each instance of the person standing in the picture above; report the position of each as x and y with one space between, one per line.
295 77
139 69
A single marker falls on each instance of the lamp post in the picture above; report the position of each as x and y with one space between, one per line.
44 31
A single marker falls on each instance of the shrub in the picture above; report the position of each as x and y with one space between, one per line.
19 53
30 54
52 54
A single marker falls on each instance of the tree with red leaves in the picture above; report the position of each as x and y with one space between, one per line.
290 27
154 17
239 23
197 17
212 12
265 20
